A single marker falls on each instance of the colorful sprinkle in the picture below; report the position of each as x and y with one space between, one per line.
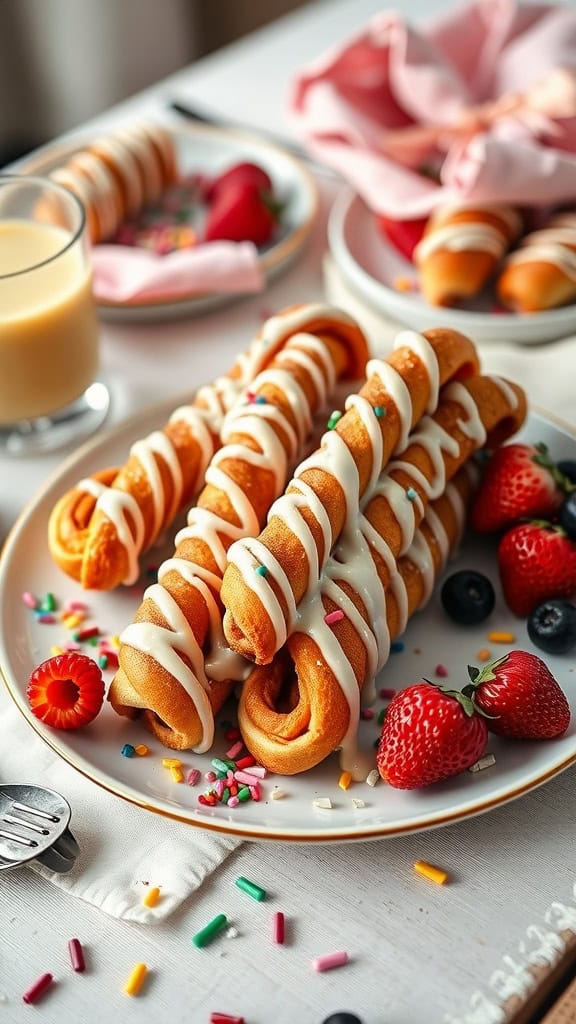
485 762
128 750
244 777
396 647
71 620
171 762
141 750
367 714
260 400
135 980
335 616
55 651
345 780
177 773
255 793
387 692
225 1018
381 716
379 411
330 960
232 801
441 671
210 931
323 803
256 770
333 420
49 603
76 954
484 654
220 765
404 284
357 803
87 634
29 599
373 777
278 928
193 777
261 570
277 793
244 794
411 494
253 890
103 661
38 988
245 762
152 896
435 874
46 618
501 638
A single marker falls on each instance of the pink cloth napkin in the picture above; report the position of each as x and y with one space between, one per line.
477 94
122 273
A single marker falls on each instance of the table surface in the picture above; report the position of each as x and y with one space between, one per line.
419 951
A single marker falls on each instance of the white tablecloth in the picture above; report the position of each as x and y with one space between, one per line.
419 952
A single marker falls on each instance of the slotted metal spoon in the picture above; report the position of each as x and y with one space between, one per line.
34 826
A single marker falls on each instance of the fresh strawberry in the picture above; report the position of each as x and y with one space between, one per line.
245 173
520 481
521 696
429 734
240 214
403 234
537 561
66 691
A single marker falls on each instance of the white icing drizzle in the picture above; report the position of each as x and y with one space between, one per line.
393 383
472 426
507 390
419 344
462 236
507 214
264 423
556 253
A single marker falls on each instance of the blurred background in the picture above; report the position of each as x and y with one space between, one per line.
64 61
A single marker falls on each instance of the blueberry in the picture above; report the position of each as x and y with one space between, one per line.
567 515
568 468
468 597
552 626
342 1018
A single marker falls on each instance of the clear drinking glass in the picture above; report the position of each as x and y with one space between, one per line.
48 321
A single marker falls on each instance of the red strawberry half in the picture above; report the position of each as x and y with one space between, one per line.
66 691
521 696
520 481
245 173
537 561
429 734
241 213
403 234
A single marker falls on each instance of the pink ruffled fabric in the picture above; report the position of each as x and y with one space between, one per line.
393 76
124 274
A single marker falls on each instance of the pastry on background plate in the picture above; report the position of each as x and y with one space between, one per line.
541 273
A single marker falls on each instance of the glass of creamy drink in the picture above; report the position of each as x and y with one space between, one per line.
49 394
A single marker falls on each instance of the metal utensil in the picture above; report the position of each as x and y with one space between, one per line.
34 826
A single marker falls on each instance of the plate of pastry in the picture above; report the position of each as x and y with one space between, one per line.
249 659
172 209
489 278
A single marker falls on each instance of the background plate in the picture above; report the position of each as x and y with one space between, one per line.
430 639
206 150
370 264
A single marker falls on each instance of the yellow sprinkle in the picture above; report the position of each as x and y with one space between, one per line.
115 641
177 774
403 284
56 650
171 762
431 871
501 638
136 980
71 621
484 654
141 750
152 896
345 780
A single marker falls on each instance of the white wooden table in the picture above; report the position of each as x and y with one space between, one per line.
419 951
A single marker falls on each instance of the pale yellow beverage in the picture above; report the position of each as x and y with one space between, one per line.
48 322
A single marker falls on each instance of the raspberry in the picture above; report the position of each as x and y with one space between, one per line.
66 691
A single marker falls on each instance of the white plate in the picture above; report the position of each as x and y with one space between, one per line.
370 264
208 151
96 751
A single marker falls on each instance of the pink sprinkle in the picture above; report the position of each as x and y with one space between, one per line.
75 606
47 619
234 750
256 769
233 801
76 954
255 793
219 787
38 988
250 396
367 713
232 734
244 777
386 693
71 646
29 599
225 1018
330 960
335 616
441 671
210 776
278 928
193 777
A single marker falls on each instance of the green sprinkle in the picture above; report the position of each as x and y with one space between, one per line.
103 661
261 400
251 888
225 795
334 417
205 935
381 716
243 794
379 411
219 765
93 641
49 603
261 570
222 775
411 494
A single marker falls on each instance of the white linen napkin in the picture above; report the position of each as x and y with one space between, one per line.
124 850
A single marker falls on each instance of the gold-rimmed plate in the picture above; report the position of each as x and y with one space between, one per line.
430 639
206 151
